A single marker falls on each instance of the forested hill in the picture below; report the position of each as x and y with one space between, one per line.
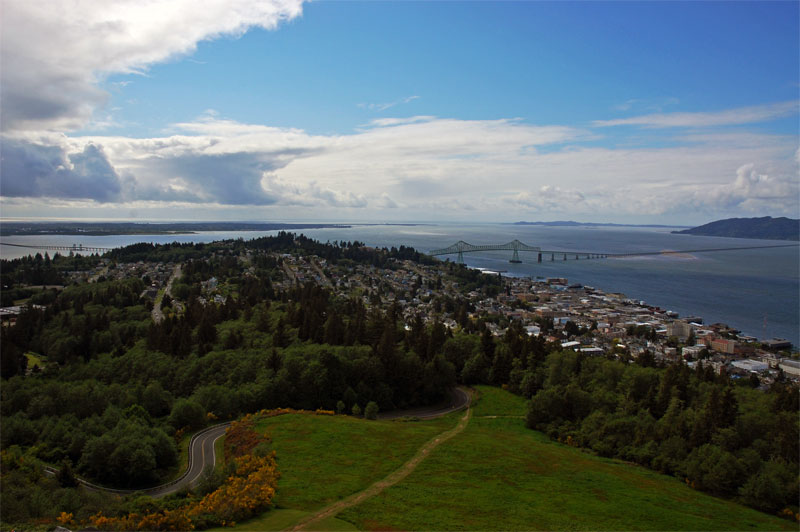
763 228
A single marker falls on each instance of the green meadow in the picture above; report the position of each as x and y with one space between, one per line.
495 475
323 459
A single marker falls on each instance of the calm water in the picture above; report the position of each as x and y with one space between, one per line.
756 291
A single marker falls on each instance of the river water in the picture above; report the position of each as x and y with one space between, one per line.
756 291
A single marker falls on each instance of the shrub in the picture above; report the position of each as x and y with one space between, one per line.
371 410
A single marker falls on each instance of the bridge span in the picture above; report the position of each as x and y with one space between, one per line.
75 248
516 246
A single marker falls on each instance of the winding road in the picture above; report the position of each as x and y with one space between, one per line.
202 456
458 398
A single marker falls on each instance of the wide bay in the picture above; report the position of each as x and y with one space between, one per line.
754 290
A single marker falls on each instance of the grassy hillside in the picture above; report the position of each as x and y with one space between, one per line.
495 475
323 459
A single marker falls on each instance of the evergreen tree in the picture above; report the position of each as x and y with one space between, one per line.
65 476
371 410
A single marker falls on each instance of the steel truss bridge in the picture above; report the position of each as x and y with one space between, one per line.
515 246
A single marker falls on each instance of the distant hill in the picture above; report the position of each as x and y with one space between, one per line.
764 228
146 228
570 223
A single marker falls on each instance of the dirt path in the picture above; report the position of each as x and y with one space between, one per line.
391 480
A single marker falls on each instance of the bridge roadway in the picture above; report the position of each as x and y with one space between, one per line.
516 246
74 247
202 455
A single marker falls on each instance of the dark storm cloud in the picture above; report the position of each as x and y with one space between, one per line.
34 170
229 179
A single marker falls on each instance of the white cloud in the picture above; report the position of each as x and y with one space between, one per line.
741 115
646 104
753 190
54 53
548 198
386 202
380 122
384 106
423 168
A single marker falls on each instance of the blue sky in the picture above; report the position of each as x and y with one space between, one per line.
654 112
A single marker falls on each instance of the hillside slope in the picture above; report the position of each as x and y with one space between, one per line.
498 475
767 228
495 475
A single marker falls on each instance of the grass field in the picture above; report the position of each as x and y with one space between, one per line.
495 475
499 475
323 459
281 519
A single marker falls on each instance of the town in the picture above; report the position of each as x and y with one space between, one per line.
579 318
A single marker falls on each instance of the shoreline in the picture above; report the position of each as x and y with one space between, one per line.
564 282
630 277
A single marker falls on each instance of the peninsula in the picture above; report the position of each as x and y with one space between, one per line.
766 228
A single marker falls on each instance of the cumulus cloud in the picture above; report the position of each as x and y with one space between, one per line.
431 167
753 190
548 198
386 202
741 115
312 194
230 179
54 53
36 170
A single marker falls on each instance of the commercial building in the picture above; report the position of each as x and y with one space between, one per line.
723 345
750 365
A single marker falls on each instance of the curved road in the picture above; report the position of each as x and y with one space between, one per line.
459 398
202 455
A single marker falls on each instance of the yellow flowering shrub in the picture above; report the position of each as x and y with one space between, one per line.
65 518
241 438
247 492
244 494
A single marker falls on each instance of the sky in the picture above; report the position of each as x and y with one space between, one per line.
283 110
